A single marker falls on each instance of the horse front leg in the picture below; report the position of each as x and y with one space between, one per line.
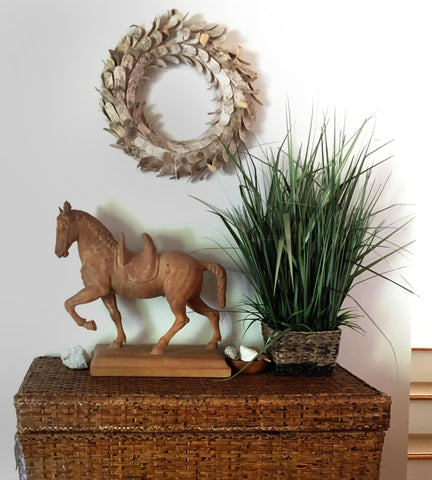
110 303
86 295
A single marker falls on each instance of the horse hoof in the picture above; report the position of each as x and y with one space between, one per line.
211 346
157 350
116 344
90 325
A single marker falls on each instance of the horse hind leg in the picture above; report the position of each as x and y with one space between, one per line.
199 306
110 303
181 319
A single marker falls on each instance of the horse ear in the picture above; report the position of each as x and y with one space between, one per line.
67 207
61 211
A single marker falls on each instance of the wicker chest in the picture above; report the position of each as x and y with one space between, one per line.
74 426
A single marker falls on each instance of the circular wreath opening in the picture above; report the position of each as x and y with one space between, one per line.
172 40
179 103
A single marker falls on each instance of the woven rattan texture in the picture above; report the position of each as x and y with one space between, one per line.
55 398
341 456
74 426
319 348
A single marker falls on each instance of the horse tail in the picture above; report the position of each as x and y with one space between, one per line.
219 272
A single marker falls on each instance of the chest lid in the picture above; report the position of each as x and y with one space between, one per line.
53 398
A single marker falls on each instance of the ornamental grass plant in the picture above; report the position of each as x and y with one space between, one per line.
309 227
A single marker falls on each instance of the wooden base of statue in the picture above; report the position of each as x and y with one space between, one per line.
176 361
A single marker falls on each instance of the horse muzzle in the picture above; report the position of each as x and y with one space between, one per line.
61 253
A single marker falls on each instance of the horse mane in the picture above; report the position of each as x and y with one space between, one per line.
102 233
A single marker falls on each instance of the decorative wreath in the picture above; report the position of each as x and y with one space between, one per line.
173 40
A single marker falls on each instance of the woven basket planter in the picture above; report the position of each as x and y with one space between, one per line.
303 353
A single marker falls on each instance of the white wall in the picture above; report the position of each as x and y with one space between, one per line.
361 58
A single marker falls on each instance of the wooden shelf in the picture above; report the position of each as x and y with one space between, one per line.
421 391
420 447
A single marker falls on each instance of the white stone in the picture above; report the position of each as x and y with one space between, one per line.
75 357
247 354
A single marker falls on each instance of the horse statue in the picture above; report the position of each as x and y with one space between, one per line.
109 268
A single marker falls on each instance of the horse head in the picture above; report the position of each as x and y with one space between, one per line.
66 232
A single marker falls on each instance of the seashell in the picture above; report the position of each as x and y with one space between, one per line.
247 354
263 357
231 352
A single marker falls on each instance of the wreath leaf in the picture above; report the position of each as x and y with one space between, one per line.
173 39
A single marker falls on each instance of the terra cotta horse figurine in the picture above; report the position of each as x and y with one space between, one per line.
108 268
